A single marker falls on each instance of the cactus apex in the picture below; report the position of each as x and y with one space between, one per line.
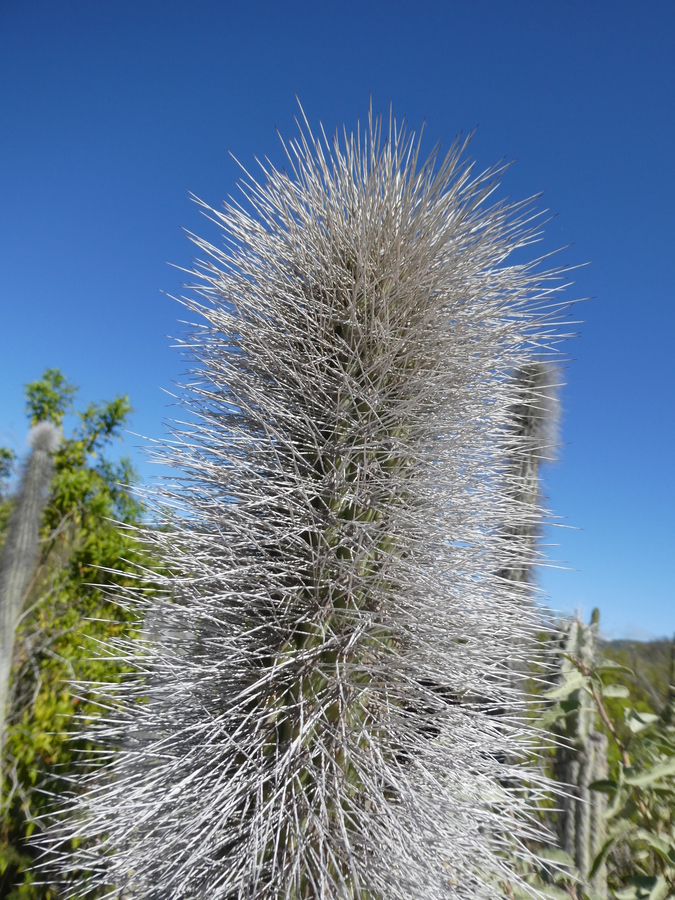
44 436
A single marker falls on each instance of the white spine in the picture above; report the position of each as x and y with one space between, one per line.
328 708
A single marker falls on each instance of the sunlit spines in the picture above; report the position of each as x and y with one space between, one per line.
328 709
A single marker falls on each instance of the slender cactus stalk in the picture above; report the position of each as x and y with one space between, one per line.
20 549
534 427
598 806
583 760
532 439
303 723
668 711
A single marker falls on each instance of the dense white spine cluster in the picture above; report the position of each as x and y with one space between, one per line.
325 706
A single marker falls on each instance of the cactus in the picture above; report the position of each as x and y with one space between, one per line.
531 440
580 761
668 711
534 429
302 722
20 548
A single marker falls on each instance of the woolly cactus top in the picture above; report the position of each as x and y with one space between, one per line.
44 436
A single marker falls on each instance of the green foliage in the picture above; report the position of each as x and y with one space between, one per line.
639 846
648 670
48 399
7 458
85 559
641 817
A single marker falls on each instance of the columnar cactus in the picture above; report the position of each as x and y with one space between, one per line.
581 761
304 721
668 711
534 430
20 548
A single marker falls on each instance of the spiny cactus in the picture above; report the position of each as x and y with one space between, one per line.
534 428
303 723
668 711
20 548
581 761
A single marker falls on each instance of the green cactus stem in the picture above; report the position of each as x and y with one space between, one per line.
581 760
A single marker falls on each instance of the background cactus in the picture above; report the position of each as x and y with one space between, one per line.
303 723
20 548
582 759
534 427
668 711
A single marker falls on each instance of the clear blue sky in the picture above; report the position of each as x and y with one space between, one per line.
111 112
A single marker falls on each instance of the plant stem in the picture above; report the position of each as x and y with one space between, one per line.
610 727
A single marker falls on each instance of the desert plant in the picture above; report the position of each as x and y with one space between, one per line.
535 417
66 612
668 712
325 705
581 757
616 823
638 849
20 548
